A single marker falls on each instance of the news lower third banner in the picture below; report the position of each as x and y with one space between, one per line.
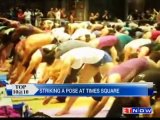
119 90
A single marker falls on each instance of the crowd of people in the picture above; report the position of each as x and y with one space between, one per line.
35 16
150 15
85 52
106 16
144 15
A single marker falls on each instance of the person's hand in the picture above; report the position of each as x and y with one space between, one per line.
46 100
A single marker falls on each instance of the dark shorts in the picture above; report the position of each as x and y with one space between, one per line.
72 77
104 60
97 98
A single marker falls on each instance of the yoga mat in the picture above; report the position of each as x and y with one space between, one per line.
77 112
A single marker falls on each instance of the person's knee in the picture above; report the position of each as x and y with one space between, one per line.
114 78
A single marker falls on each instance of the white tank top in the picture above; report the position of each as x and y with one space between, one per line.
135 44
84 55
80 32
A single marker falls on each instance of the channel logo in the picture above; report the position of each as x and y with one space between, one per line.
137 110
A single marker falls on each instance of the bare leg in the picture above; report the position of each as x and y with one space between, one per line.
91 107
127 53
106 67
91 111
86 74
95 106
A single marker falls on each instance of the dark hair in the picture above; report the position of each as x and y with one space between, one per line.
132 32
111 31
155 56
121 57
118 28
133 55
113 26
49 55
158 26
127 24
66 27
88 38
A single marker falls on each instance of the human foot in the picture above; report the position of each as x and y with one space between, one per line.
60 113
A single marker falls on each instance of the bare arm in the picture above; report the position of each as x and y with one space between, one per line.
65 70
50 71
45 77
4 19
11 23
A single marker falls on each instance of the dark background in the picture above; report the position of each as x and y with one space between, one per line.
116 7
